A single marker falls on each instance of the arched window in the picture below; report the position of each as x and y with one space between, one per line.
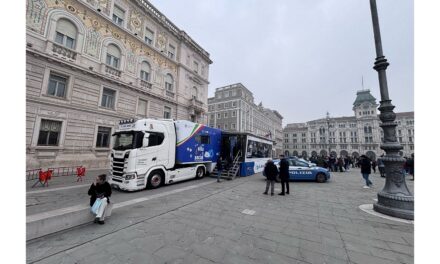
169 82
65 33
370 130
145 71
194 92
113 57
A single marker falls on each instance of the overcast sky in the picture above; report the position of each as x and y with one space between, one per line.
301 57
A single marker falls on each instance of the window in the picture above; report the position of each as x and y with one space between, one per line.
400 132
225 114
233 126
219 116
113 56
118 15
169 82
259 149
196 67
203 139
103 137
149 36
194 92
409 132
142 109
65 33
233 113
145 71
226 126
410 139
155 139
57 85
49 133
171 51
108 98
167 112
234 104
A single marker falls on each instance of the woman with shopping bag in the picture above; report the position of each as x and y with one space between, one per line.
100 192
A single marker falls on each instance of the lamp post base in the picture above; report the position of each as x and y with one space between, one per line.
395 205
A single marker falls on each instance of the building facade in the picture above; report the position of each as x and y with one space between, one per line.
348 136
233 109
91 63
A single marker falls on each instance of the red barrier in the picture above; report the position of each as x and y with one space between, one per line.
80 173
43 178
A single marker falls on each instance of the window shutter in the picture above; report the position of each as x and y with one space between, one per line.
67 28
113 50
119 12
149 33
169 79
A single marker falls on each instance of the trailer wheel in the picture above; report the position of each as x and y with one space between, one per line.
200 173
155 180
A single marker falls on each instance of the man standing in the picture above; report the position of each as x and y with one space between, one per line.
271 172
284 175
366 170
219 168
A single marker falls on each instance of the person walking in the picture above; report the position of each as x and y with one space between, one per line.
381 167
219 168
411 166
101 189
271 172
373 166
284 175
366 170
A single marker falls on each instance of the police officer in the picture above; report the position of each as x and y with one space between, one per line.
284 175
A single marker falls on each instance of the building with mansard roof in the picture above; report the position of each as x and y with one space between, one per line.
349 135
91 63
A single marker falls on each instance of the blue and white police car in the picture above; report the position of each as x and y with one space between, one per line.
303 171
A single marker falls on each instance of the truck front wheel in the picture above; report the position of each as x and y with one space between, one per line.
155 180
200 172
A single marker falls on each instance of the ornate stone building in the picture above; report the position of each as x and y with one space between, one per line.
90 63
233 109
353 136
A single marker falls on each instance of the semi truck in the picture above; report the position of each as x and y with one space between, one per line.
149 153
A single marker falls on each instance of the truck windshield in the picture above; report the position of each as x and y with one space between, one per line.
128 140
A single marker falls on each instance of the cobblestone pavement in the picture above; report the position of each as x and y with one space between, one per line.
316 223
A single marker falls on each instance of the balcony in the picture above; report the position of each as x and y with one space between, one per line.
169 93
197 105
63 52
145 84
112 71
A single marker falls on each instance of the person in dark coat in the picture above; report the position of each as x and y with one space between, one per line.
365 163
373 166
271 172
381 167
410 164
100 189
219 168
284 175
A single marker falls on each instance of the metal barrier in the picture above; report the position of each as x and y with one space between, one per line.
32 174
78 171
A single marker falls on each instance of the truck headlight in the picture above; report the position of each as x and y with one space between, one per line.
130 176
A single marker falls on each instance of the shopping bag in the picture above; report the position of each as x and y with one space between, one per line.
108 209
96 205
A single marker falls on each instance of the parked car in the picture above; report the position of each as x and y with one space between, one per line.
301 170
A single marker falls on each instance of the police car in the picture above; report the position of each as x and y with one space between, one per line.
300 170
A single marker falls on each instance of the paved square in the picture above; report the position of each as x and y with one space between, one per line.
233 222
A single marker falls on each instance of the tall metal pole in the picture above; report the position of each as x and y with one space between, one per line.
395 199
328 129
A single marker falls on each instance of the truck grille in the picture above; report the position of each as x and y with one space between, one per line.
118 167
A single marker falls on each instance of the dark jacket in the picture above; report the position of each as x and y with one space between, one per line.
271 171
219 164
365 165
100 191
284 169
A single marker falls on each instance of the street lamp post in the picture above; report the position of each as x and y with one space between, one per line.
395 199
328 129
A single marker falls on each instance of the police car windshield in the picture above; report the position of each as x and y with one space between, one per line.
128 140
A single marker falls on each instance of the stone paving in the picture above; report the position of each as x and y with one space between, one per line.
316 223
